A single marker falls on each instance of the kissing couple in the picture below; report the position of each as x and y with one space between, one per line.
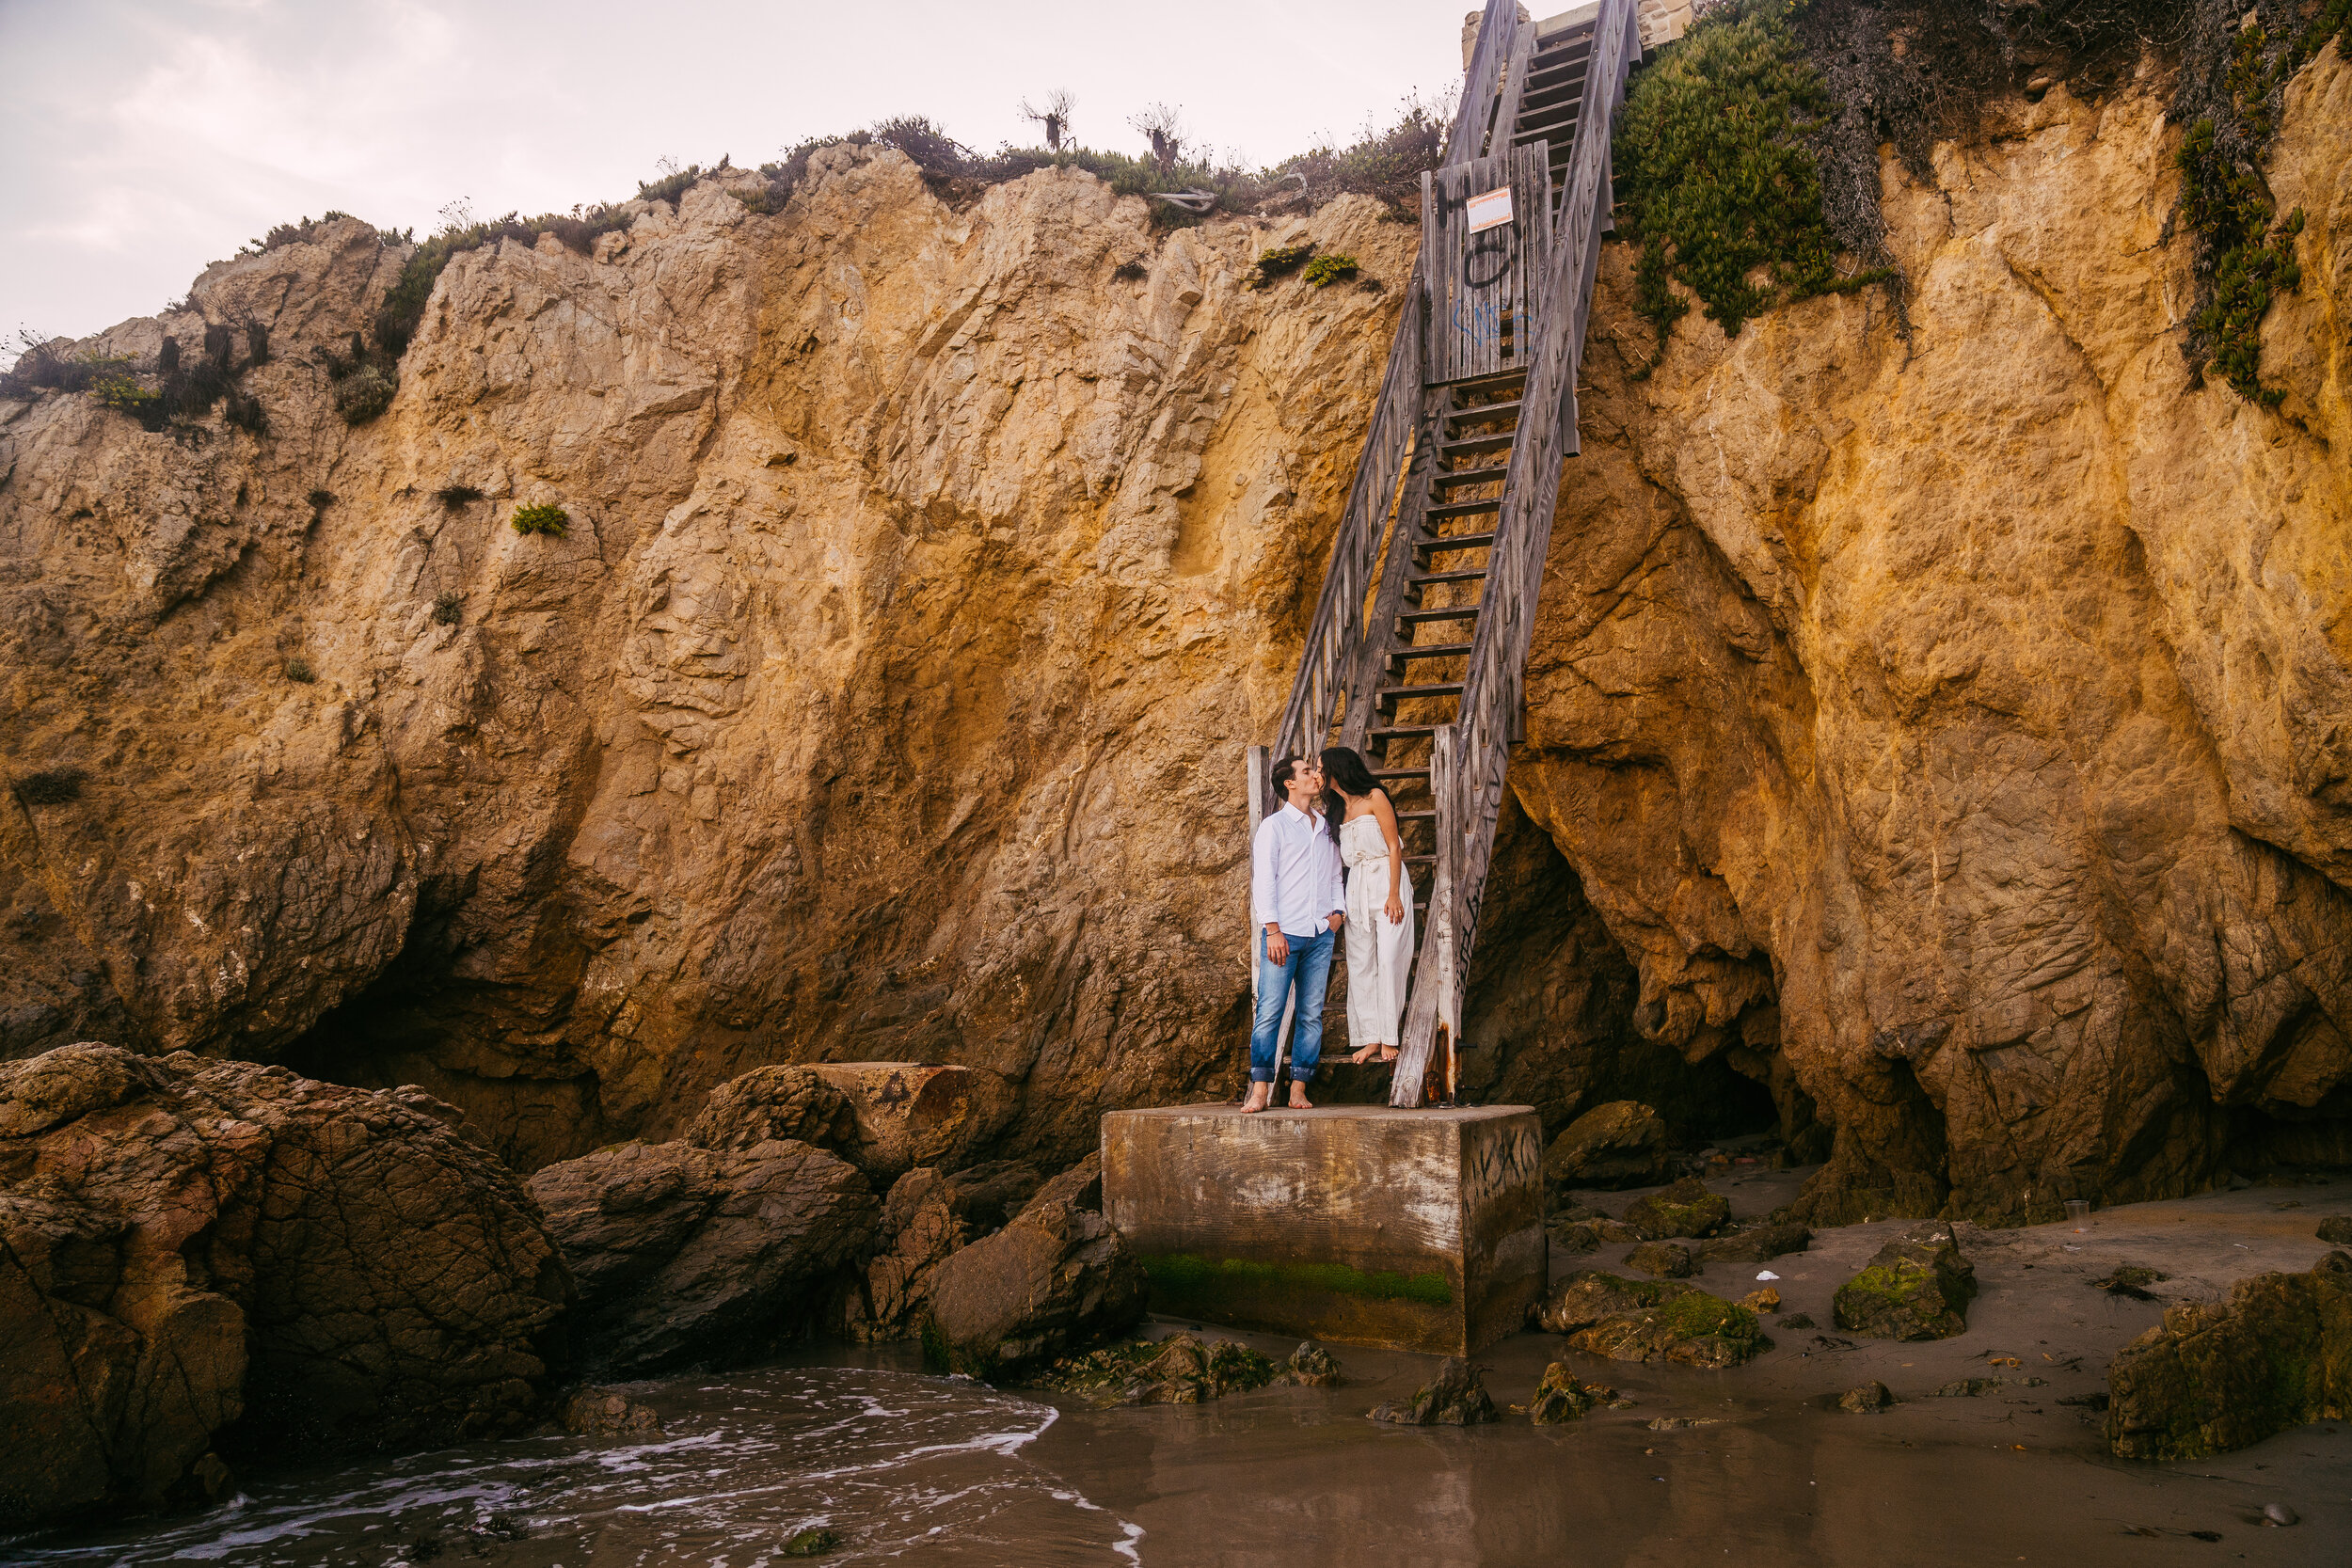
1329 859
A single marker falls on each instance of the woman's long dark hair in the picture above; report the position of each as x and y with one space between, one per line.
1343 769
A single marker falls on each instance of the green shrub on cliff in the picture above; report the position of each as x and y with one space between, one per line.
1722 191
551 520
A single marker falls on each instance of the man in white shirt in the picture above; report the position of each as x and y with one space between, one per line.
1299 901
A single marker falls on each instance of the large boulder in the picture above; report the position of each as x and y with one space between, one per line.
204 1258
1685 1208
1058 1278
2211 1378
930 1215
1622 1144
771 1104
1916 1288
1649 1320
689 1255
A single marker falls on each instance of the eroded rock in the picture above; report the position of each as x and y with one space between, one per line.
1058 1278
1622 1144
2211 1378
1563 1395
1686 1209
1867 1400
686 1253
1455 1397
1630 1320
1662 1260
1182 1369
201 1251
1757 1244
1916 1287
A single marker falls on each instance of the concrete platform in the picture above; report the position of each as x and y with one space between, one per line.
1362 1225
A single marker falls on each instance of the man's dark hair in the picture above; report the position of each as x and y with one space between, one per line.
1283 770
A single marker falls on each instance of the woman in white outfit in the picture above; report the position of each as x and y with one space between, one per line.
1379 903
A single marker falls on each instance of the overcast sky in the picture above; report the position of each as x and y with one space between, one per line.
144 138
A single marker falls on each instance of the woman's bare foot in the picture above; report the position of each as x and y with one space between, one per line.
1259 1096
1361 1057
1388 1054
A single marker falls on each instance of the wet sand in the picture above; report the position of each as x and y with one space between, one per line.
919 1470
1298 1477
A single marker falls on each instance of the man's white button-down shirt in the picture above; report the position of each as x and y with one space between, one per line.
1294 873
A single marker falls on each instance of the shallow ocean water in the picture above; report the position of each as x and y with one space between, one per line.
915 1468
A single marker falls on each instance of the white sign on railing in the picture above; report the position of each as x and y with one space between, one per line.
1490 210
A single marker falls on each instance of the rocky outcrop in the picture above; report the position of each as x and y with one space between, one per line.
207 1258
1622 1144
1916 1287
2213 1377
690 1255
1058 1278
1182 1369
1662 1260
1930 731
1630 1320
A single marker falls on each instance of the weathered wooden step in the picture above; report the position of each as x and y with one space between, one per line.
1483 382
1452 509
1566 87
1411 618
1423 579
1475 444
1428 650
1480 415
1383 734
1389 696
1427 548
1456 478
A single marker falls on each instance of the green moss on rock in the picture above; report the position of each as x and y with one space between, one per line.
2209 1379
1916 1288
1685 1208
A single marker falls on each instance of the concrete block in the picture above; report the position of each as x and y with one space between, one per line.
1412 1230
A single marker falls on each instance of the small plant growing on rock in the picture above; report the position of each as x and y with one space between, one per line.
448 609
1324 271
322 500
50 786
298 669
543 519
453 496
363 394
1129 272
1279 262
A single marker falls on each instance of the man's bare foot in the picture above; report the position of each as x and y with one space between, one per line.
1299 1101
1259 1095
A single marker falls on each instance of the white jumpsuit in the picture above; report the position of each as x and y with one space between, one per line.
1379 953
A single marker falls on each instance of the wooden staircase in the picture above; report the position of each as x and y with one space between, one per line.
1418 646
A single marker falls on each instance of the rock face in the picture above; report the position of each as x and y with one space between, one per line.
1058 1278
2209 1379
1931 735
1622 1144
686 1253
1918 1286
1630 1320
220 1253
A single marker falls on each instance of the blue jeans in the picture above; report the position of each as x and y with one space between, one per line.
1309 968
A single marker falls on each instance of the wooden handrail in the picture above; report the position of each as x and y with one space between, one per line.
1476 747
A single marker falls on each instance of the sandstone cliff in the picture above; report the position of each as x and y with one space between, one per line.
1943 736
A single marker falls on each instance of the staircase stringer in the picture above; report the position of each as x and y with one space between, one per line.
1469 757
